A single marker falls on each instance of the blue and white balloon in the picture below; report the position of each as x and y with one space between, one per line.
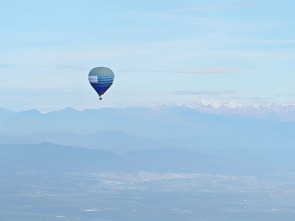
101 79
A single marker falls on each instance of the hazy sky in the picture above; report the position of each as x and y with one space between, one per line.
161 52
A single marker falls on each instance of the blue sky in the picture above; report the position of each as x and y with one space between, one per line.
161 52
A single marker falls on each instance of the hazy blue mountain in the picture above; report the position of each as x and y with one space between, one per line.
6 139
62 159
55 158
115 141
144 128
5 114
144 122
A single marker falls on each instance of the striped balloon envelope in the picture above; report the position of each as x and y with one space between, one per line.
101 78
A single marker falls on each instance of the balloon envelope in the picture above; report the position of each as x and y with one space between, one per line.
101 79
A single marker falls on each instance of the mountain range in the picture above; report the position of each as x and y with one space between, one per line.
47 157
122 130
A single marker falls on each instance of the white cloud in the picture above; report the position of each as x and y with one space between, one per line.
274 41
218 7
215 70
203 92
205 70
9 66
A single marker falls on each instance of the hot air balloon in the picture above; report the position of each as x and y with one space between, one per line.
101 79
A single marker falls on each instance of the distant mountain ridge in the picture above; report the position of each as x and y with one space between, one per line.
47 157
54 158
115 141
6 139
129 129
283 112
